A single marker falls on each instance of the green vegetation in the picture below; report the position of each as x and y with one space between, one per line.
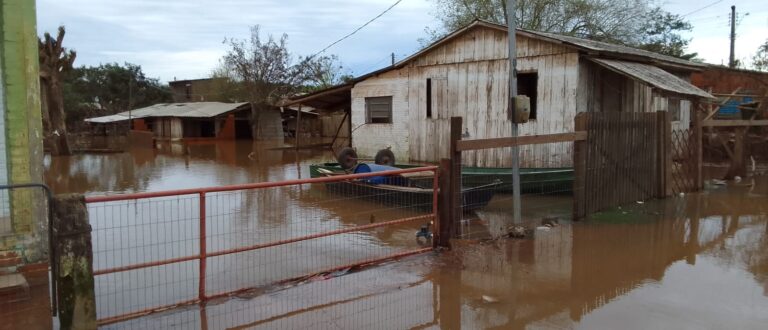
108 89
636 23
760 60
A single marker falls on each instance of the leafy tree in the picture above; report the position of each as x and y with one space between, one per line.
108 89
267 71
760 60
636 23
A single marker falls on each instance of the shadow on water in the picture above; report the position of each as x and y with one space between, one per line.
698 261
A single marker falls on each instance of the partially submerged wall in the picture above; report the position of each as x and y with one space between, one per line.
22 148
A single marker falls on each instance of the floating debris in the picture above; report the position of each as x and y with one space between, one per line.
516 231
550 221
489 299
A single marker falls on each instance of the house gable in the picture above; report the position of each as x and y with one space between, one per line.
482 42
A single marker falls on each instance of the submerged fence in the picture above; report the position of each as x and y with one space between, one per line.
158 250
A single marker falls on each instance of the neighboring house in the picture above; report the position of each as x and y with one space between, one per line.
197 90
749 86
178 121
408 106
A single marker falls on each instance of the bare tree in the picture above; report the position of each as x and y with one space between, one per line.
268 72
55 60
760 59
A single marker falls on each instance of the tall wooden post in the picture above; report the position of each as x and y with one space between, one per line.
298 127
697 145
580 169
739 160
664 154
455 181
512 55
445 224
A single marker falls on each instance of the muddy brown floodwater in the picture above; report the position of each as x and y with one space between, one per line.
694 262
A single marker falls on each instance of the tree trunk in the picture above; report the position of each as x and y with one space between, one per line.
254 122
57 127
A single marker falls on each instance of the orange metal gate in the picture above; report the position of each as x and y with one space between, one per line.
157 250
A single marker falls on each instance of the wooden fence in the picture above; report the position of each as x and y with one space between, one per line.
619 158
629 157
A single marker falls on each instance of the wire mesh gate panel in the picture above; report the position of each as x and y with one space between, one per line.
684 161
155 251
622 162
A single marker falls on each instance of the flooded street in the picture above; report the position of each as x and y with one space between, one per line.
692 262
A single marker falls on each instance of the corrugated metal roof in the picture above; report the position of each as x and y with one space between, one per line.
590 46
185 110
107 119
653 76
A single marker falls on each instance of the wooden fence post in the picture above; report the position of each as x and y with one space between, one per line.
445 225
579 168
455 181
664 154
698 151
668 163
77 299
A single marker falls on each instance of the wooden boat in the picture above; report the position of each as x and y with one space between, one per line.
533 180
406 191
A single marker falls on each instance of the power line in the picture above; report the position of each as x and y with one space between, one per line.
702 8
358 29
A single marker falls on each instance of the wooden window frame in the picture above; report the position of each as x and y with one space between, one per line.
429 98
534 105
369 119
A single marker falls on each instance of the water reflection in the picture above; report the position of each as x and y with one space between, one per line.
695 262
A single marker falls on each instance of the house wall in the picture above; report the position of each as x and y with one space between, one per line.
23 223
469 79
725 80
168 128
369 138
197 90
269 124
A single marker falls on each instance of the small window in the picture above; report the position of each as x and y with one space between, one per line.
378 110
527 84
429 97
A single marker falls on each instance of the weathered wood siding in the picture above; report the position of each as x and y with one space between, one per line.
602 90
330 125
469 78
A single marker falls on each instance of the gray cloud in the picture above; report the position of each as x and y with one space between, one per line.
183 39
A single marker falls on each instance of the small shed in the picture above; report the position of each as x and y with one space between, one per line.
408 106
198 120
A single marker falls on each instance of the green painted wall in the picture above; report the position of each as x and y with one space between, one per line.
23 126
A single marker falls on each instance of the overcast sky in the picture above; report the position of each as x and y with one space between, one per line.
183 38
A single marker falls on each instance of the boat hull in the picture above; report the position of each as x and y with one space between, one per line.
472 198
533 180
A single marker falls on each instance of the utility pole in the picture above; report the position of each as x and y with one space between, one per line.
511 28
393 59
732 58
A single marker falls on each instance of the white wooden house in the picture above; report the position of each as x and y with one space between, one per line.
408 106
